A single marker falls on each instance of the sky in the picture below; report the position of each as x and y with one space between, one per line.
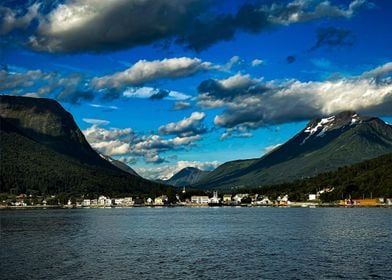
166 84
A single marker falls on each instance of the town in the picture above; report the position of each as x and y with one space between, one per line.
181 199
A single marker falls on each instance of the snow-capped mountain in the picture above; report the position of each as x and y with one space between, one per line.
323 145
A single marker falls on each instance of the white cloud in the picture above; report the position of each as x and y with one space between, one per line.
186 127
257 62
10 21
107 107
145 71
125 142
96 121
278 102
181 105
149 92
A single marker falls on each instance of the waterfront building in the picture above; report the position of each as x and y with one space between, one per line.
86 202
227 197
159 200
199 199
214 199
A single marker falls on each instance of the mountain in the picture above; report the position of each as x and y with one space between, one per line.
120 165
186 177
43 150
324 145
370 178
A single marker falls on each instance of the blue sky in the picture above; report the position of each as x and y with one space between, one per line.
166 84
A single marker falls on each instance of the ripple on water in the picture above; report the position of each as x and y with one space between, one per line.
183 243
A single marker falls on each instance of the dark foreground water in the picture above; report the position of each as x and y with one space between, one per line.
196 243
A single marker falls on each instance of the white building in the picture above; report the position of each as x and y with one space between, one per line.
312 196
214 199
128 201
199 199
264 201
239 197
104 201
86 202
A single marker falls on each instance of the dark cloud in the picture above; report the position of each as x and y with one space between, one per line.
333 37
229 88
36 83
93 25
291 59
161 94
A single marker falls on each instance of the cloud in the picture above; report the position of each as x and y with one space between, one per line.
235 60
181 105
96 121
291 59
75 87
256 18
10 20
105 107
145 71
161 94
167 171
280 102
126 143
333 37
256 62
69 88
236 132
187 127
154 93
93 25
271 148
234 85
378 72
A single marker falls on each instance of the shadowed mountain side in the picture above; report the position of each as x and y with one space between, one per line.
186 176
42 149
324 145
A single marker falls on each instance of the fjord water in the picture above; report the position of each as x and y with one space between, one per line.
196 243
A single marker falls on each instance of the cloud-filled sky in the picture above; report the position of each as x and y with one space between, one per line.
165 84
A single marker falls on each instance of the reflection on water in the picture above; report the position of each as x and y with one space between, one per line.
187 243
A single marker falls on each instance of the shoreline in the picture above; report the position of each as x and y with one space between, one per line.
42 207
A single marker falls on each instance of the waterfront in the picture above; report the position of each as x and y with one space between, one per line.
193 243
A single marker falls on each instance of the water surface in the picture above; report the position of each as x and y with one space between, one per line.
196 243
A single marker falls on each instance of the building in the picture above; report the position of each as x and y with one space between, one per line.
239 197
312 196
159 201
227 198
214 199
119 201
199 199
86 202
263 201
365 202
149 201
128 201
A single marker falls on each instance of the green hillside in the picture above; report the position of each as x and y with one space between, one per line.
43 150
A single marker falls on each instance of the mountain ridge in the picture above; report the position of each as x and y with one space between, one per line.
323 145
43 150
186 176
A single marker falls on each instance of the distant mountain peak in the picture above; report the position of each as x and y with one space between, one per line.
187 176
